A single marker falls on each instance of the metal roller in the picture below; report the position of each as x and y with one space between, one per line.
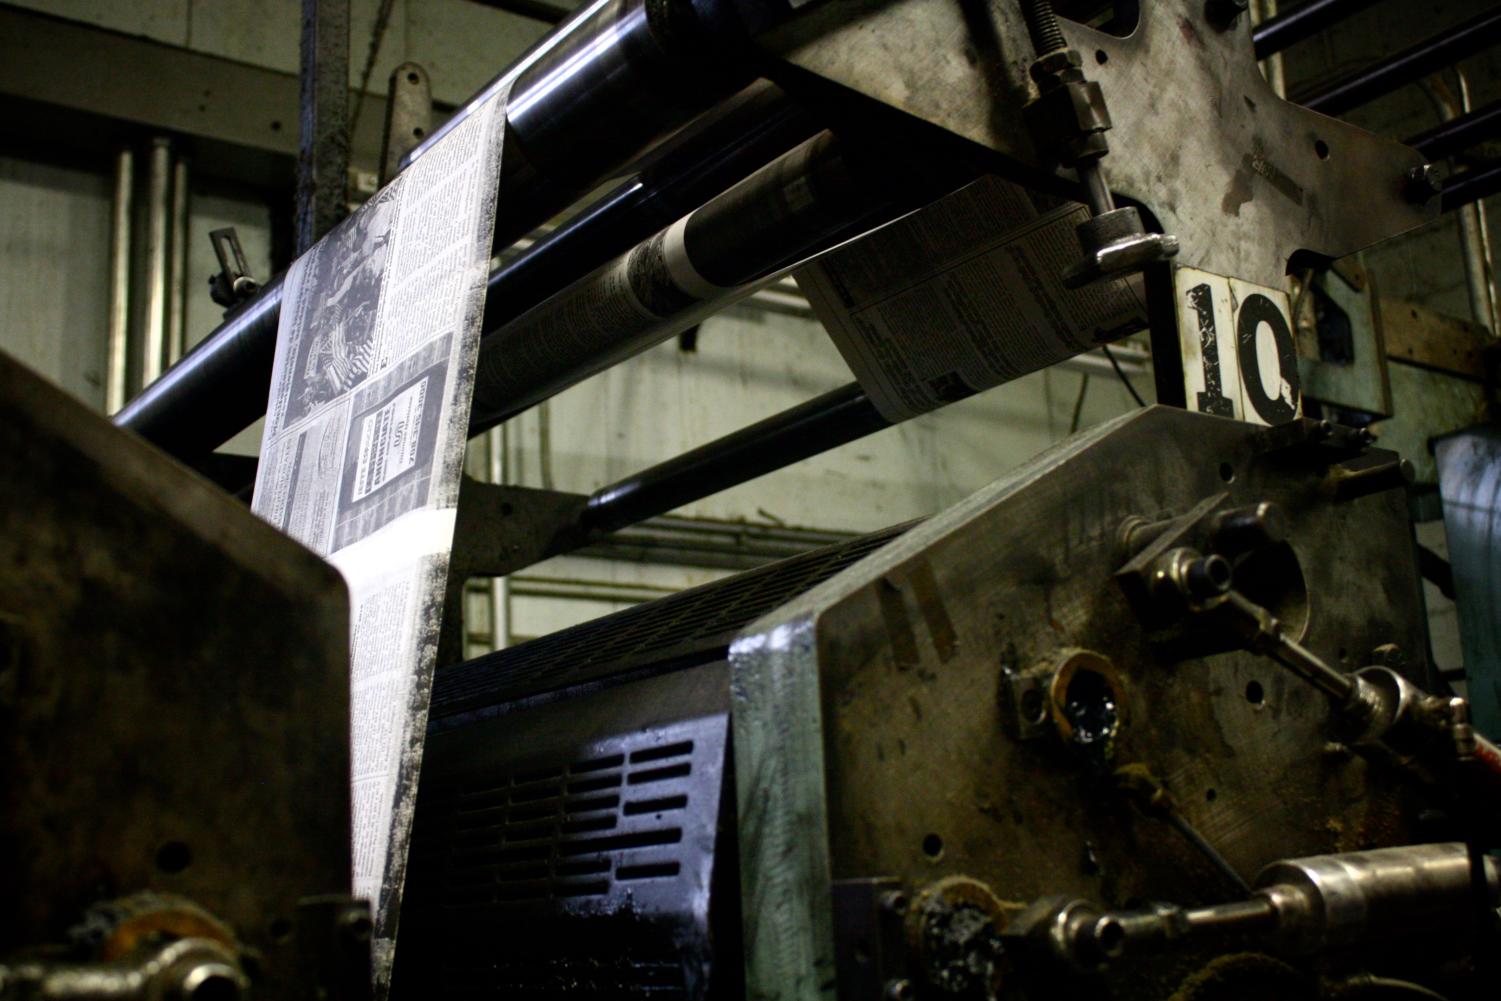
604 87
803 203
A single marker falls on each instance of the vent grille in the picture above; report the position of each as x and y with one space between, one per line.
702 619
577 872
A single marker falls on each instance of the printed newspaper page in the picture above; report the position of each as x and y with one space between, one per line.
363 448
963 295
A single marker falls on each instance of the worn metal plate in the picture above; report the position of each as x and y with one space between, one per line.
1241 177
173 689
868 725
1469 479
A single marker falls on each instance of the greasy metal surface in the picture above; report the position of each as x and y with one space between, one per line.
173 689
868 729
573 848
409 116
1469 468
1242 178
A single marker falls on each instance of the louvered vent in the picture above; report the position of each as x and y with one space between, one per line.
564 871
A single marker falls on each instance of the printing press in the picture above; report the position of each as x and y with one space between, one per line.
1153 716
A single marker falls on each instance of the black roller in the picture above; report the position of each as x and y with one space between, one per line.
1471 186
759 125
605 86
825 422
1303 21
1459 134
1408 66
816 196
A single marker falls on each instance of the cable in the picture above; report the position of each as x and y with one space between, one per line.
1192 835
377 35
1073 425
1124 381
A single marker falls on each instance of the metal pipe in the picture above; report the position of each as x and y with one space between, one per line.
1473 218
663 63
823 423
805 202
117 357
158 209
1303 21
1455 135
177 272
1408 66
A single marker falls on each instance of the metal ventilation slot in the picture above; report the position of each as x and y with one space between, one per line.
560 832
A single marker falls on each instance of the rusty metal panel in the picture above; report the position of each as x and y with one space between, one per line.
173 690
871 720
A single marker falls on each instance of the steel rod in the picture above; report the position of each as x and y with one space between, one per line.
1459 134
117 358
1303 21
825 422
1407 66
1470 185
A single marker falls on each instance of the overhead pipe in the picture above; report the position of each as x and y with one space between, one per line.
604 88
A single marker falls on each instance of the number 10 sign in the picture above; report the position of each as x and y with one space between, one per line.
1239 356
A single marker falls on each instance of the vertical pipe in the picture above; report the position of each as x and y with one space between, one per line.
1474 214
1473 242
153 349
177 272
500 587
117 357
1272 64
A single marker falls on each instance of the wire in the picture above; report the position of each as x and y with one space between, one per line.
1073 425
377 35
1192 835
1124 381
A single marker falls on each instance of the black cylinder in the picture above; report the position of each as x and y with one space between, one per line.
1459 134
1407 66
801 204
607 84
1300 22
825 422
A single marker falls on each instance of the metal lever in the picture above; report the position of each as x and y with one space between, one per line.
233 284
1069 121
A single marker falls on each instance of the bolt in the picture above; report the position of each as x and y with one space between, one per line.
1224 13
1208 577
1422 185
211 980
899 990
355 925
895 902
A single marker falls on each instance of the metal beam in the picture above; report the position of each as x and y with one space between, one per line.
323 133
